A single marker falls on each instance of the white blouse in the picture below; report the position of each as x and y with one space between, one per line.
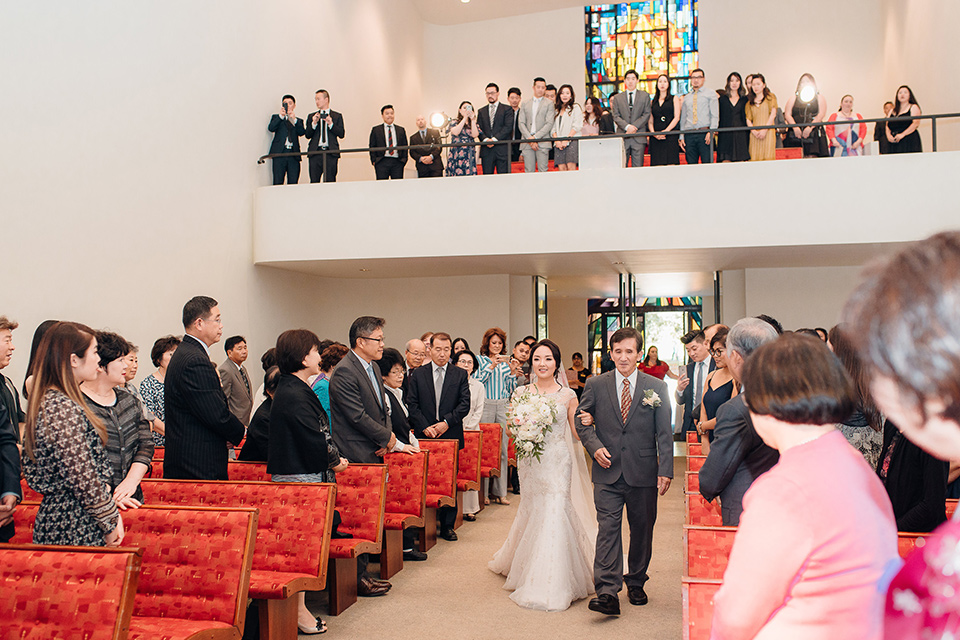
471 422
565 121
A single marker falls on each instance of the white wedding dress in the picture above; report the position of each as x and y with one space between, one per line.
548 554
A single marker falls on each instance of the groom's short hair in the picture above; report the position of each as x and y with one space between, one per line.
625 334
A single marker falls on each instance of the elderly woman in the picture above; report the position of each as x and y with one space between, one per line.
903 319
129 443
467 361
807 558
151 389
257 442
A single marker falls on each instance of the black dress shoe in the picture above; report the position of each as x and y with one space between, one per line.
637 595
368 589
605 604
448 534
470 517
414 555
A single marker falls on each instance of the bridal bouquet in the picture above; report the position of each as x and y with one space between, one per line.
529 417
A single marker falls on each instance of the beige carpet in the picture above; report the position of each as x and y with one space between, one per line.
454 595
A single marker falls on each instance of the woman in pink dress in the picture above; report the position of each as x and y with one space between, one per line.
905 313
817 533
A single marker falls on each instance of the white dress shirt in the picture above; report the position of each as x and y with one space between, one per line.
632 379
388 131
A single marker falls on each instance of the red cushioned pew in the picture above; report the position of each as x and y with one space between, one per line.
361 499
293 538
701 512
441 485
692 482
67 592
195 574
241 470
490 453
468 469
697 594
405 506
694 463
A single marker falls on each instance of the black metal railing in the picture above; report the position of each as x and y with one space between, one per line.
640 134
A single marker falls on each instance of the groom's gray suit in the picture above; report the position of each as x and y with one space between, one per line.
640 450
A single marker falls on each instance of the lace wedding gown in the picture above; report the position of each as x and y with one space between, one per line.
548 554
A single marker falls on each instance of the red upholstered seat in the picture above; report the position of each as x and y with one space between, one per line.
706 550
29 495
692 437
701 512
695 449
158 453
908 541
442 472
490 450
156 469
23 519
698 606
511 452
693 482
196 565
468 463
249 471
695 462
178 629
406 489
67 592
951 508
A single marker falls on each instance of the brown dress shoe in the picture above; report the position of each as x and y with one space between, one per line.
368 589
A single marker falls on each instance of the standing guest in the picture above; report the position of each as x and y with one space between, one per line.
733 146
388 162
427 154
737 454
8 392
689 395
414 355
652 365
63 445
521 359
439 400
199 423
256 447
592 110
496 123
462 161
298 450
391 369
132 361
761 110
577 374
916 482
235 380
880 129
631 112
863 429
607 124
267 360
129 443
902 135
34 345
513 98
808 557
551 95
324 130
499 379
846 139
536 120
664 116
11 417
805 108
425 339
467 361
699 113
460 344
329 359
566 124
286 128
151 389
719 387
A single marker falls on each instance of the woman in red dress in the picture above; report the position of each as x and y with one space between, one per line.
651 365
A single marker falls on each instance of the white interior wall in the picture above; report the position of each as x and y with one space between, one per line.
800 296
568 325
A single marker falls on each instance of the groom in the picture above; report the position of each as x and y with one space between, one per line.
631 442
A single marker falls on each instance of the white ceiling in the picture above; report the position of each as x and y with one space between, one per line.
456 12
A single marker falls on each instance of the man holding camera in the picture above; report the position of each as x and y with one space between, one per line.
286 128
324 128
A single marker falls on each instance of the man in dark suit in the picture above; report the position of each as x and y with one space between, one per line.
428 156
737 455
199 423
631 112
388 163
286 128
513 97
358 416
11 416
431 417
628 433
691 383
324 130
234 379
496 123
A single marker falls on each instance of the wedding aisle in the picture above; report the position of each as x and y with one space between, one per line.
454 595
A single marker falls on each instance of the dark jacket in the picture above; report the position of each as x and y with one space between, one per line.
501 129
298 430
916 483
9 465
454 401
333 133
378 138
282 129
258 434
399 421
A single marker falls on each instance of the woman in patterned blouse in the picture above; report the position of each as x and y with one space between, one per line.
129 444
151 389
63 445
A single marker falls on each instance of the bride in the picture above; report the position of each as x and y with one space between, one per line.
548 554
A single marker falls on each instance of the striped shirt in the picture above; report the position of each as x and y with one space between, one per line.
498 383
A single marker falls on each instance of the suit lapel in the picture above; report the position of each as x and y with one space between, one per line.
637 399
358 364
615 397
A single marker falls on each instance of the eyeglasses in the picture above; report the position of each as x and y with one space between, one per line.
717 352
372 339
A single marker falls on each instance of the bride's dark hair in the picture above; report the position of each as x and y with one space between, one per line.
554 350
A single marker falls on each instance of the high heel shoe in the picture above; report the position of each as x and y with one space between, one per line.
317 629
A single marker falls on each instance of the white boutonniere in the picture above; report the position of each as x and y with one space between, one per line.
651 399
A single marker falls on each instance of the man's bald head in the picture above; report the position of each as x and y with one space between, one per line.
416 352
421 122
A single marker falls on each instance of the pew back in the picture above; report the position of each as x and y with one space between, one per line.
406 488
490 452
442 472
468 464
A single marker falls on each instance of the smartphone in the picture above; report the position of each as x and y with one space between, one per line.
469 107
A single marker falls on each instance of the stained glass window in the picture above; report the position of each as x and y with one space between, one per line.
653 37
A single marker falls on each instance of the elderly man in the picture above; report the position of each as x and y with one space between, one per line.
738 455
